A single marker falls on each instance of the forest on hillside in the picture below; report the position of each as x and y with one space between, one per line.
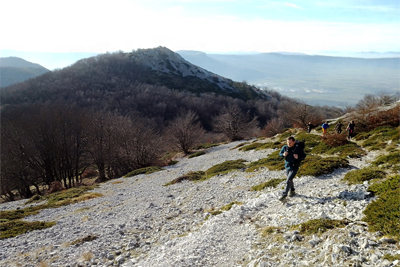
90 118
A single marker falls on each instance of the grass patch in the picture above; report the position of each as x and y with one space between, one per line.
34 199
319 226
365 174
317 165
350 149
221 168
18 227
190 176
146 170
225 167
383 214
206 145
80 241
117 182
251 146
391 257
172 162
273 162
239 145
266 231
271 183
54 200
199 153
229 206
392 183
212 211
386 161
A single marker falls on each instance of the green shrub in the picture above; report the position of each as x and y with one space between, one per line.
383 214
206 145
251 146
83 240
392 183
266 231
172 162
225 167
365 174
146 170
348 150
199 153
229 206
35 198
391 257
390 159
273 162
239 145
319 226
270 183
190 176
317 165
18 227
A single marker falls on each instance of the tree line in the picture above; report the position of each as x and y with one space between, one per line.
100 113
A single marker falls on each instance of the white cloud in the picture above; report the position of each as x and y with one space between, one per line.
293 5
98 26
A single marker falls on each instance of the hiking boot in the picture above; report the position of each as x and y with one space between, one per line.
282 198
292 193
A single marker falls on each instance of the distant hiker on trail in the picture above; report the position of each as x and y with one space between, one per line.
350 128
309 126
325 127
294 154
338 127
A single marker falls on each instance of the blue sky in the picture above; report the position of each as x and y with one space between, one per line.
219 26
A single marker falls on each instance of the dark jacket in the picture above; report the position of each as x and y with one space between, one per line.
290 161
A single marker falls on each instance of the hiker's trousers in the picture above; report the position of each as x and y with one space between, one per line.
290 174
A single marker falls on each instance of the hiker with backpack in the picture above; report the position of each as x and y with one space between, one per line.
338 127
294 154
350 128
309 126
325 127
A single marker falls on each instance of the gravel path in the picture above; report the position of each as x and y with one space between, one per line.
141 222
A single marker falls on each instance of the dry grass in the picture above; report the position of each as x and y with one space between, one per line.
87 256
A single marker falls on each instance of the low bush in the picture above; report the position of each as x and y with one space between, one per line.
206 145
319 226
199 153
268 230
35 198
335 140
18 227
362 175
317 165
251 146
190 176
383 214
84 239
389 159
172 162
273 162
270 183
55 186
225 167
392 183
221 168
348 150
146 170
58 199
229 206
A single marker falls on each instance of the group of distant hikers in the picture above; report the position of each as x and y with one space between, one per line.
293 152
338 128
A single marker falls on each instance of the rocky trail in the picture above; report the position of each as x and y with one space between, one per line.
141 222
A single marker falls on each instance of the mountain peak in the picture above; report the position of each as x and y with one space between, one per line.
163 60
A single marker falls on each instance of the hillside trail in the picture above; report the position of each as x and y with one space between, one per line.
173 226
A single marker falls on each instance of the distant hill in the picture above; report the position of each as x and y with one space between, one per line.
314 79
15 70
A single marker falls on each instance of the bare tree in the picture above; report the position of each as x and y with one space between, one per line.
185 131
234 123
